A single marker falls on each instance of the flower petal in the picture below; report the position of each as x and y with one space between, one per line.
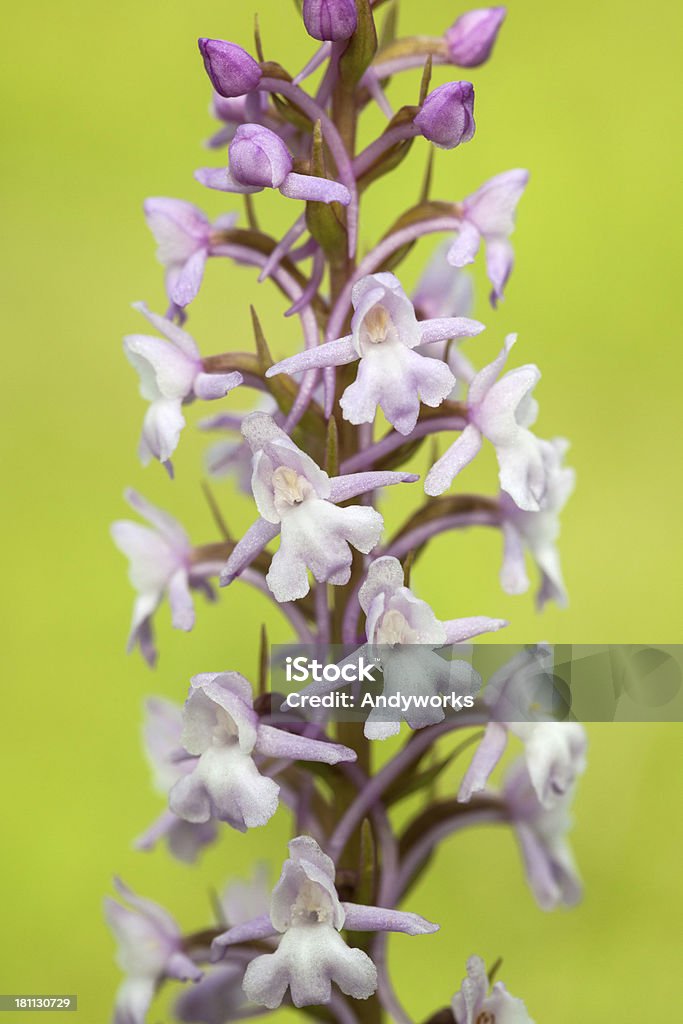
273 742
331 353
486 757
379 919
459 455
313 189
247 548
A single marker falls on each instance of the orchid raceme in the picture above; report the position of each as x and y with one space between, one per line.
381 377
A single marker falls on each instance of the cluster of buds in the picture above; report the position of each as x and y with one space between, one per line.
314 460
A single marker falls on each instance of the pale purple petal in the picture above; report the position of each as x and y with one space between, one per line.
222 180
249 931
187 281
378 919
331 353
350 486
318 190
513 577
209 386
308 960
280 743
396 379
180 600
521 471
486 757
500 258
445 328
247 548
161 429
164 371
465 246
458 630
180 966
459 455
492 207
133 1000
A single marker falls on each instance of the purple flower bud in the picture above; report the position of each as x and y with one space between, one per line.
259 157
233 72
470 40
447 115
330 19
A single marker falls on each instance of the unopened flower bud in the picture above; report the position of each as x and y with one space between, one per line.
233 72
330 19
259 157
447 115
470 40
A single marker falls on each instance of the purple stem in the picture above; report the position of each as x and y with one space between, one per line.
255 579
366 458
283 247
412 60
391 137
421 534
334 140
407 542
419 853
376 257
292 288
374 86
311 288
318 58
372 792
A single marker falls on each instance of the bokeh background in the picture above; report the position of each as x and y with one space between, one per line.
105 105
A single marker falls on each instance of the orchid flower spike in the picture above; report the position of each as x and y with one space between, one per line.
500 410
160 557
171 372
307 915
298 500
259 159
489 213
473 1004
223 735
162 733
184 237
391 373
538 531
542 835
149 950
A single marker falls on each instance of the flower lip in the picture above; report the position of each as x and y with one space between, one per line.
233 72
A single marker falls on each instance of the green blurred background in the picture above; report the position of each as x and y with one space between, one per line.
104 105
